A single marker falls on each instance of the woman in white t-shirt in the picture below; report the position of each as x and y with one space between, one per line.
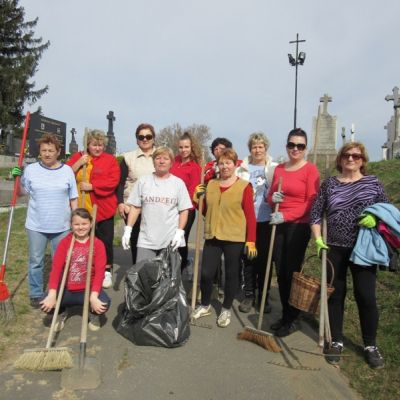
52 192
163 202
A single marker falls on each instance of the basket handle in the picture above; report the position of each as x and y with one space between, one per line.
329 262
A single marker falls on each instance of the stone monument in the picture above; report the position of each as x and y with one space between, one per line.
111 144
73 146
391 148
323 144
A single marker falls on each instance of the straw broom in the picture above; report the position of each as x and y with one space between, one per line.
258 336
7 312
49 358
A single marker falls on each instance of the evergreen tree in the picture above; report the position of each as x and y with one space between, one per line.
20 52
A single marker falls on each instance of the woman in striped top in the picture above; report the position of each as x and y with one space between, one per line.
343 198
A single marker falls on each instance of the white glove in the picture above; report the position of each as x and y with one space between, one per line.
126 237
178 240
277 197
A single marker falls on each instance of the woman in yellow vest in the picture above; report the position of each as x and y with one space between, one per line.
230 227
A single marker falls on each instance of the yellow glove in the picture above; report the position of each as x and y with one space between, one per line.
200 190
250 250
367 221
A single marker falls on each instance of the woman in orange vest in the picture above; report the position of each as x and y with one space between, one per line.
230 226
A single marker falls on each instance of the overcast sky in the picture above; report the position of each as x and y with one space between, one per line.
222 63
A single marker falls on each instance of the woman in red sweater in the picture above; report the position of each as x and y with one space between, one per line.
230 228
186 166
81 224
98 187
300 184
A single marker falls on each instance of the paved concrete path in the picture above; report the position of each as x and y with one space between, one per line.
212 365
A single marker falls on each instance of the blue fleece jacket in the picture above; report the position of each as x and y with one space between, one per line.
370 248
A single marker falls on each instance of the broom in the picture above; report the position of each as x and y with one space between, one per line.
258 336
7 312
49 358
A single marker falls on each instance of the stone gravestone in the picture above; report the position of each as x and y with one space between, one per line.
111 143
392 144
323 145
73 146
40 125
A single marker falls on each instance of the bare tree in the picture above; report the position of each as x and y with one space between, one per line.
169 136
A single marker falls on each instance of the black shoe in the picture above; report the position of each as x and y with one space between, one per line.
277 325
35 302
287 329
246 304
332 354
373 357
267 308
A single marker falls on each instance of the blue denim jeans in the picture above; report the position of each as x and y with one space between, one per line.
37 248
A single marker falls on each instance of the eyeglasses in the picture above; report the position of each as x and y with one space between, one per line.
299 146
147 137
354 156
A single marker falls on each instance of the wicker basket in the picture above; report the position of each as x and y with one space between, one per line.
306 290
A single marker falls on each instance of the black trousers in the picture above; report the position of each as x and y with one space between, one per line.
183 251
76 298
105 232
364 285
291 242
212 252
254 270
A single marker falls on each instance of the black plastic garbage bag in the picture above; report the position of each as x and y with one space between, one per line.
156 311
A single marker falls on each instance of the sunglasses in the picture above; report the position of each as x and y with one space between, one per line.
147 137
298 146
354 156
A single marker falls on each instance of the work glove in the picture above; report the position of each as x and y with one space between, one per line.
126 238
277 197
178 240
250 250
276 218
321 245
16 171
367 221
199 191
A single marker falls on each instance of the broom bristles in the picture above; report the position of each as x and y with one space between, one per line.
262 338
45 359
7 312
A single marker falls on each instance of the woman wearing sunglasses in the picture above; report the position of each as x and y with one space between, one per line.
343 198
135 164
300 183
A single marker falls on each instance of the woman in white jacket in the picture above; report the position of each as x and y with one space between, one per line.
257 168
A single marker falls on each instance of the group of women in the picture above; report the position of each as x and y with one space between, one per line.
157 194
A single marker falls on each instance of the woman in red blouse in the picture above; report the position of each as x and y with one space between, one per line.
186 167
300 184
98 187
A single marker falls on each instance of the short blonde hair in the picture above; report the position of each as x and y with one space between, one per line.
163 150
258 137
98 135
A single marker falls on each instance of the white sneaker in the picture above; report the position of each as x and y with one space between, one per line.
201 311
107 282
224 318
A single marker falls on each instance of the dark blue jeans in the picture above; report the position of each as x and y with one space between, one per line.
76 298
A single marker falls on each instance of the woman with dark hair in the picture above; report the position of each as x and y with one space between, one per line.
98 187
300 183
52 192
135 164
343 198
211 170
186 166
230 228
